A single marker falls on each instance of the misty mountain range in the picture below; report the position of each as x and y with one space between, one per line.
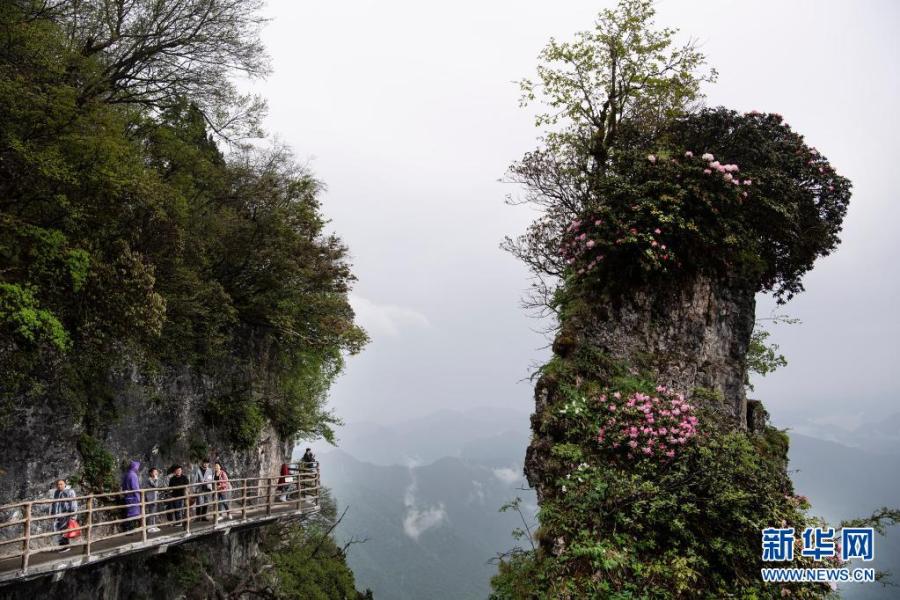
424 495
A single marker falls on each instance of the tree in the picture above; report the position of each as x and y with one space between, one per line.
624 70
153 54
763 357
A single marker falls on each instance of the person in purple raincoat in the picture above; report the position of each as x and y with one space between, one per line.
131 484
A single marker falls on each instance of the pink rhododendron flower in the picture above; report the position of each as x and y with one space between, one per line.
590 243
707 171
707 156
657 231
651 158
728 176
689 154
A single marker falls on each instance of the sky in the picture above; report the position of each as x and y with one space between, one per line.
408 112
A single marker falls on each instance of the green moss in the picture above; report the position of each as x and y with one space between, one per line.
237 418
98 465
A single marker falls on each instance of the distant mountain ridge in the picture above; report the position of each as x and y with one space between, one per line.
428 438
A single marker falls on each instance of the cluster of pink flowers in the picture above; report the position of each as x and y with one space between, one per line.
729 171
641 425
578 244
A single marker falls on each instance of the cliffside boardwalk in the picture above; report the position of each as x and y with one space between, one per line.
27 538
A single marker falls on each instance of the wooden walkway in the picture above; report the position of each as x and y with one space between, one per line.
251 502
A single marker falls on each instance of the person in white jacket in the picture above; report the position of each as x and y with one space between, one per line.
203 476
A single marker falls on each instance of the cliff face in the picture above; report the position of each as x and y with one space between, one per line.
157 420
688 336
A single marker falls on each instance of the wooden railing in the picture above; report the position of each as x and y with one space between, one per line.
31 529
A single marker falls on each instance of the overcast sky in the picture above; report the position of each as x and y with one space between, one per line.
408 112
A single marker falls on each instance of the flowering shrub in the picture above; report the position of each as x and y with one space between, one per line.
681 521
640 425
725 193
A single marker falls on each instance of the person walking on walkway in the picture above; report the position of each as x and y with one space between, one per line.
179 481
222 488
203 476
152 498
131 484
284 482
63 509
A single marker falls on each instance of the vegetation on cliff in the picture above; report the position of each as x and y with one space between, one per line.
646 491
137 230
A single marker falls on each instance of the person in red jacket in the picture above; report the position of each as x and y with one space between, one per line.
222 487
284 485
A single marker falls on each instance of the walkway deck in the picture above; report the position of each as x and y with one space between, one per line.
252 503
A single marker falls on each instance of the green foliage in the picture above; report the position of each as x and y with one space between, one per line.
307 563
762 213
27 323
239 420
688 527
128 238
624 69
98 465
762 357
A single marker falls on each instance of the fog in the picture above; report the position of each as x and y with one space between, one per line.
408 112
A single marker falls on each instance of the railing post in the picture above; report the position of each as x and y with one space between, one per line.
300 480
318 483
143 515
187 512
26 544
90 524
215 499
268 496
244 502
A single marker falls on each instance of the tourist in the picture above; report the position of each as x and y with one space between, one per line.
284 482
131 484
64 509
309 459
152 497
222 487
203 476
179 481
